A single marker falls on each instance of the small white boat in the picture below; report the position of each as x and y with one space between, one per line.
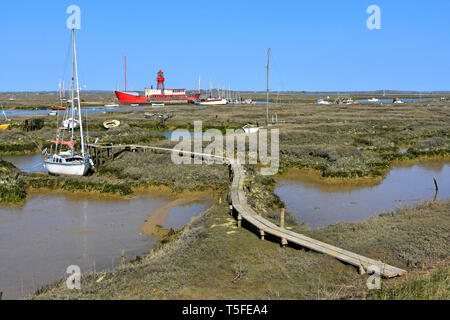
397 101
70 123
373 100
108 124
158 104
213 101
52 113
134 105
112 105
249 129
349 101
321 101
248 101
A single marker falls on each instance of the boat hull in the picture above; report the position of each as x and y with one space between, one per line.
136 99
213 102
67 169
4 126
111 124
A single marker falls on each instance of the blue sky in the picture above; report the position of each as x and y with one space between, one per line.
316 45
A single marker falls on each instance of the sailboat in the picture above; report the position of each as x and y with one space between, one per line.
69 161
4 126
212 100
61 99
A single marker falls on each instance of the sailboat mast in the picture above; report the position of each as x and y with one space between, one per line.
78 97
267 102
71 121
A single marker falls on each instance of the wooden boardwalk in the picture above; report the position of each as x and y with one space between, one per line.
238 204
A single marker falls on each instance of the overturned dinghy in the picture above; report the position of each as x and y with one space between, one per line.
109 124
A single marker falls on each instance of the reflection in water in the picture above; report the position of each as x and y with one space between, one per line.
320 204
51 232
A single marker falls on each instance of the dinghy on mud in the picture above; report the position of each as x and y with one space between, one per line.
109 124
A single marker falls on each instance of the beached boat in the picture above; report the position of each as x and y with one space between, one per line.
70 161
149 115
53 113
5 125
70 123
108 124
321 101
397 101
213 101
158 94
59 108
158 104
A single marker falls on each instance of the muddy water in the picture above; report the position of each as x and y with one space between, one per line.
27 163
51 232
319 204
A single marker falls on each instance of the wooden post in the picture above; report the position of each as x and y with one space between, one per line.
284 242
239 218
283 210
231 210
122 258
361 270
262 233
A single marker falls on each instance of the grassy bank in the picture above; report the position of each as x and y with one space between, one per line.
211 258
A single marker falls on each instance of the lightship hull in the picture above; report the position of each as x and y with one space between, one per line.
137 99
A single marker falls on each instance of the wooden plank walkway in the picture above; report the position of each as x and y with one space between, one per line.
245 212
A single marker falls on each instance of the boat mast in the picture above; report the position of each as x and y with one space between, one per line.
71 121
267 102
78 95
125 61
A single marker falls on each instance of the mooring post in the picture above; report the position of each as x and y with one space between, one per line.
231 210
284 242
262 233
282 218
361 270
239 219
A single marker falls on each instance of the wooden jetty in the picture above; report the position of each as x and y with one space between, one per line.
242 211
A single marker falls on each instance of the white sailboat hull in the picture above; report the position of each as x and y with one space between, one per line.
213 102
67 169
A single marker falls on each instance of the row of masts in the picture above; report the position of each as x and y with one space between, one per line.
232 97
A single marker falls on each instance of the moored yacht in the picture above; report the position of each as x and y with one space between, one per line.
70 161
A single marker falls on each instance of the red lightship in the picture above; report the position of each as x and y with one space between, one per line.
158 94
